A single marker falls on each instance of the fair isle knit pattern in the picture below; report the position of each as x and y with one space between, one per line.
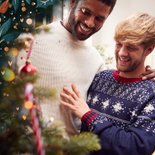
123 113
61 60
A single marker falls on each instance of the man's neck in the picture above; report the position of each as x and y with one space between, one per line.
133 74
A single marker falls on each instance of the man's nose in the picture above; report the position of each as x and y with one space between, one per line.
90 22
123 52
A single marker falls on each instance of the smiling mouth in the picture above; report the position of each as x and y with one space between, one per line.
124 61
84 28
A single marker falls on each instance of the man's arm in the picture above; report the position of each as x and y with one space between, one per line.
135 141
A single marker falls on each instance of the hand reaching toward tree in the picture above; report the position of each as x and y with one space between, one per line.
72 100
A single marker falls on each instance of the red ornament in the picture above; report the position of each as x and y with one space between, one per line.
28 68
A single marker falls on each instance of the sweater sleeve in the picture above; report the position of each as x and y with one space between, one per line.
139 139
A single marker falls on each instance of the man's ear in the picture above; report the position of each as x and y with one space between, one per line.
149 49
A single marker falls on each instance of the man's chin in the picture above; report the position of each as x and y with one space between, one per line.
82 37
124 70
120 69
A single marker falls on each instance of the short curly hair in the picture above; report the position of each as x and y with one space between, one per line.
110 3
138 29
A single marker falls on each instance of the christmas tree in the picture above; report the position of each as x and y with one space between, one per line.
21 128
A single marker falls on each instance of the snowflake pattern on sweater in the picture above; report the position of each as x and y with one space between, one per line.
123 102
122 105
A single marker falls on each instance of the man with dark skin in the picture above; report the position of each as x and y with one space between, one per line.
63 55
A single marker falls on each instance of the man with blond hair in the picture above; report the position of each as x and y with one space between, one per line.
120 107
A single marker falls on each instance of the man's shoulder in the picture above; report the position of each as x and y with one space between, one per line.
49 33
48 28
100 80
106 74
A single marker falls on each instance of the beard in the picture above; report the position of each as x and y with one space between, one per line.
75 27
130 68
78 35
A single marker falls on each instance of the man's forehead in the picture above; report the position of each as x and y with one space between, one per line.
96 6
127 43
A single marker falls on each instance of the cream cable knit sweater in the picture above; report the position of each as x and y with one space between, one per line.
60 61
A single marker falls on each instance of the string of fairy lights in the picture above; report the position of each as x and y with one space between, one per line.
16 17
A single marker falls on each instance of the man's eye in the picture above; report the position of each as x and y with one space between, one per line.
100 19
130 48
86 12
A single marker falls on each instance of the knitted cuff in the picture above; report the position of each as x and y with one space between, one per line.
89 117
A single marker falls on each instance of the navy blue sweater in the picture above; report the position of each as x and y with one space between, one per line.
122 115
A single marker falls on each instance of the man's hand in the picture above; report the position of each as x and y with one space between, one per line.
72 100
149 74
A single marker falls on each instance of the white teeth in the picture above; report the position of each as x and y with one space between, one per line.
122 59
84 28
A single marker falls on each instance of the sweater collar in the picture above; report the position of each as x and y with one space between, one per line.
124 80
73 39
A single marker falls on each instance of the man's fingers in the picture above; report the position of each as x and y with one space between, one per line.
148 72
67 98
148 75
69 92
70 106
147 68
75 90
